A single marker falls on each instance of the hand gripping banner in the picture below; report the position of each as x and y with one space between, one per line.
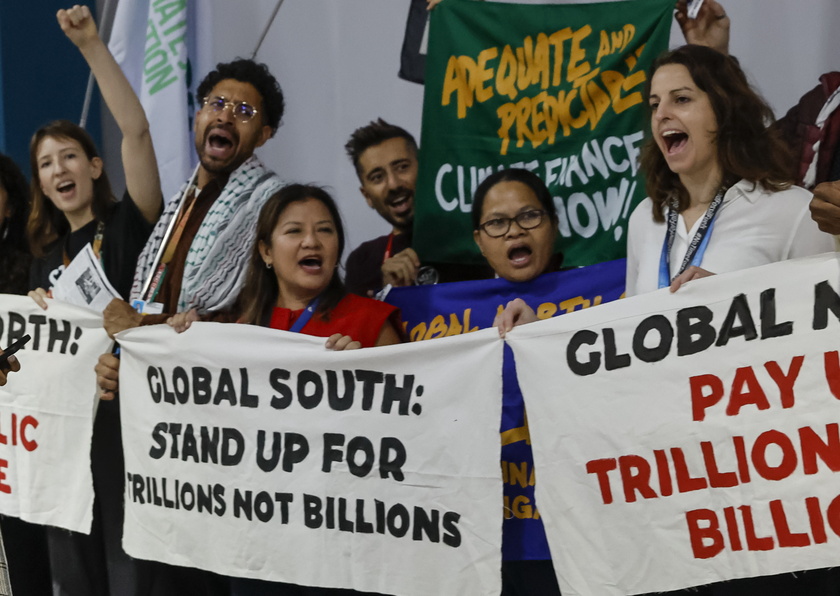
259 453
688 438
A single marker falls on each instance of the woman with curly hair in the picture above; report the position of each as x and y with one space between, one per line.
719 181
721 197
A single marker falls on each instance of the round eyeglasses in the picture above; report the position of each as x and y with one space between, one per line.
241 111
499 226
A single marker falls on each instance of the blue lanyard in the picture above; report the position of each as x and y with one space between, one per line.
304 317
697 246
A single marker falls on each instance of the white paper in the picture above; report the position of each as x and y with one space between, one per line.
83 283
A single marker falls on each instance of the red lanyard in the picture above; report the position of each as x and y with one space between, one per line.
388 247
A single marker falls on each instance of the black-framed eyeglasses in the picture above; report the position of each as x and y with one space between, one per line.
499 226
244 112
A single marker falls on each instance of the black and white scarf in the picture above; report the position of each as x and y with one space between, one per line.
218 257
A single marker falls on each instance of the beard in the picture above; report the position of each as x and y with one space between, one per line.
402 222
217 165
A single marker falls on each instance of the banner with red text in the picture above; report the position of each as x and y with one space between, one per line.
374 469
683 439
47 410
554 88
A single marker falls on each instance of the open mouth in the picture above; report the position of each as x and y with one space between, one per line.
401 203
674 140
519 256
220 143
311 264
66 187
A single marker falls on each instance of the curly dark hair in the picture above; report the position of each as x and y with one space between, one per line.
378 131
258 75
260 291
747 146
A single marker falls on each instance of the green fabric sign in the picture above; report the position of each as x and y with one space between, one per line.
557 89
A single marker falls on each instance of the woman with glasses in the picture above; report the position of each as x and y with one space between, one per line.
515 227
72 208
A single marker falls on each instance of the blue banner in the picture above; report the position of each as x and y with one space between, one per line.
441 310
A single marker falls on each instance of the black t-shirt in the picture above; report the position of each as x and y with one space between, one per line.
125 235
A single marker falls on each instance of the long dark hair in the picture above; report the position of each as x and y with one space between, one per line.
746 147
13 231
46 222
14 251
260 292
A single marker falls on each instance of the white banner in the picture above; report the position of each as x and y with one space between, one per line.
682 439
151 41
46 412
259 453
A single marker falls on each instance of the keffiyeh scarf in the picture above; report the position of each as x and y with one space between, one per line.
218 256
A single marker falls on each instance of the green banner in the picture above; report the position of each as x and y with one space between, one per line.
557 89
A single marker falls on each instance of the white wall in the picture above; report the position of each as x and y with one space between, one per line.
785 45
337 62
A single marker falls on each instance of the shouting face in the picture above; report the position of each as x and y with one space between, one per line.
522 250
388 172
303 252
66 177
225 138
683 123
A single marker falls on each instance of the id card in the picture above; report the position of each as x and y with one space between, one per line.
147 308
